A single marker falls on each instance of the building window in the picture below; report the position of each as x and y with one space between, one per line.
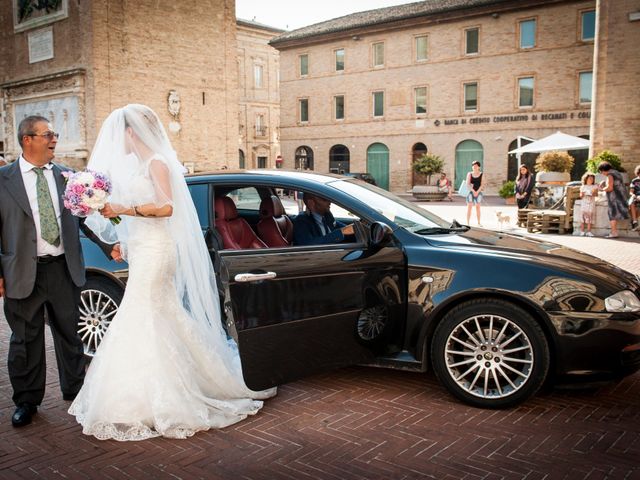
421 48
588 32
472 40
528 33
339 59
378 104
304 109
525 92
338 101
586 79
470 97
304 65
261 129
420 94
378 54
262 162
257 75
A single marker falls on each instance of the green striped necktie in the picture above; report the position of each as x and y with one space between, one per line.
49 228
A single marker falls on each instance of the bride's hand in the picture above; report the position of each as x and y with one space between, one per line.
109 211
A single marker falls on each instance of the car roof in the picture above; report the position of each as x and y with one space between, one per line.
273 173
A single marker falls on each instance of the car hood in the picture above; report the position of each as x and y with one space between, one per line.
529 249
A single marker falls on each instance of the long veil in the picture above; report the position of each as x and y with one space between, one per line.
115 155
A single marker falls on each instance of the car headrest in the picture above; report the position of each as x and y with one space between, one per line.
225 208
271 207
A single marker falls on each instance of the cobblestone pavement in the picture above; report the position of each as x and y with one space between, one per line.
357 423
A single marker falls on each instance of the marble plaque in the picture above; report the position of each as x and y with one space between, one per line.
40 45
62 112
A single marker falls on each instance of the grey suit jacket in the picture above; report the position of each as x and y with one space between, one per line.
18 249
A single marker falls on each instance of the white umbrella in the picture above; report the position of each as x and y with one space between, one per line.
556 141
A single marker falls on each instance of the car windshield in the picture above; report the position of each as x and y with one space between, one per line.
395 209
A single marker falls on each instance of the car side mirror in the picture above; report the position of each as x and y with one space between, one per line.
380 234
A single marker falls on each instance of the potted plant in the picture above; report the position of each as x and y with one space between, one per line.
604 156
554 167
428 164
507 191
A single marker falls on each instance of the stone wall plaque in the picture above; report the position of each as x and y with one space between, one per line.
40 45
62 112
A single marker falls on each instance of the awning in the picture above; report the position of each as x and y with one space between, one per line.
556 141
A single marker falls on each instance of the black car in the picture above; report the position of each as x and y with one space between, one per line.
367 177
496 315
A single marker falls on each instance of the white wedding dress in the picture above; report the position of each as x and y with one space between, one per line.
157 372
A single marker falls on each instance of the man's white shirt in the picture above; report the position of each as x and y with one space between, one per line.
30 178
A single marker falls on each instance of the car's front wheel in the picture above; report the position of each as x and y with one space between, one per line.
490 353
99 301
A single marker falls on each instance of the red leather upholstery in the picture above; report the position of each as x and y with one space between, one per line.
274 228
235 231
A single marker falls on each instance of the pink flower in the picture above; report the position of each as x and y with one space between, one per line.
99 184
76 188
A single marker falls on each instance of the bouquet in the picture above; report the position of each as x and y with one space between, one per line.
87 192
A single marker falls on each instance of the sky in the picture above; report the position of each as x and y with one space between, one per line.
292 14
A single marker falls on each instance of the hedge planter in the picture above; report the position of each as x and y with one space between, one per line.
428 193
553 178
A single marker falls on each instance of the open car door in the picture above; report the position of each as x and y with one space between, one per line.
297 311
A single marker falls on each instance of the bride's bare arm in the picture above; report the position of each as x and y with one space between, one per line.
163 207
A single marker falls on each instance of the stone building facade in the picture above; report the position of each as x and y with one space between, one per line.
81 60
616 106
259 97
462 79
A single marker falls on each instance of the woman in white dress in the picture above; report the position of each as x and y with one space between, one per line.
166 366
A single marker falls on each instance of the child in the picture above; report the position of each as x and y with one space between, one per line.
588 194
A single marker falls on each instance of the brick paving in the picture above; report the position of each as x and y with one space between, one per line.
357 423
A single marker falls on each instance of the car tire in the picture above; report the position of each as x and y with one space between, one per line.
490 353
99 302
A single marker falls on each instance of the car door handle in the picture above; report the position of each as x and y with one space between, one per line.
254 277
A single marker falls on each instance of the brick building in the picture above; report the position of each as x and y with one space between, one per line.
259 97
459 78
74 62
616 113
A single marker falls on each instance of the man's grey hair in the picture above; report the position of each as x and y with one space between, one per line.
27 126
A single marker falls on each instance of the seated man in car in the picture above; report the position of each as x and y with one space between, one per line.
316 225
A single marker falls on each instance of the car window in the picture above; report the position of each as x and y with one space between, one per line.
200 195
257 229
395 209
246 198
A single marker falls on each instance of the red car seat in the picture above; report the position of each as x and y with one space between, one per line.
234 230
275 227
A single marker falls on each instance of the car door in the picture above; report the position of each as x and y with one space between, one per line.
296 311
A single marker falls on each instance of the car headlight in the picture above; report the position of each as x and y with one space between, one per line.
623 301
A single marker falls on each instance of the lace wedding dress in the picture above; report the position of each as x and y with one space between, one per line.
157 372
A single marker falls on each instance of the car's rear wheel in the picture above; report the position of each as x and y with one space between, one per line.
99 302
490 353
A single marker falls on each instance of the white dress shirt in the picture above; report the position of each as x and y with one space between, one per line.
30 178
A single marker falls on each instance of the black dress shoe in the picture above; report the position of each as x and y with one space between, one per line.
69 396
22 415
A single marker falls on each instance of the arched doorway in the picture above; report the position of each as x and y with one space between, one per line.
467 151
304 158
528 159
339 159
378 164
417 151
241 163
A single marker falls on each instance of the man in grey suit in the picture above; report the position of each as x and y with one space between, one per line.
41 267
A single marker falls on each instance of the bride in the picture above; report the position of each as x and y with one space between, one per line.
166 366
